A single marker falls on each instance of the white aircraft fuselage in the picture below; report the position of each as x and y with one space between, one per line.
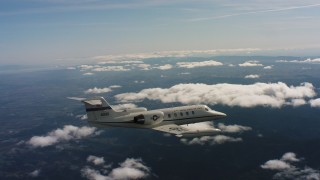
101 114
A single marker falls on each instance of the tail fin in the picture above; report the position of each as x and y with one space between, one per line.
97 107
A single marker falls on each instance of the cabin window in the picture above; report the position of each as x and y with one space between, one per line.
187 113
175 114
169 115
181 114
192 112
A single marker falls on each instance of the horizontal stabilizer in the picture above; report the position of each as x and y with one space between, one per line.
76 98
93 102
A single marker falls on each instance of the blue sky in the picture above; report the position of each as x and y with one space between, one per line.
42 31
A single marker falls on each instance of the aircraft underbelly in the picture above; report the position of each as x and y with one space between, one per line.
114 124
192 120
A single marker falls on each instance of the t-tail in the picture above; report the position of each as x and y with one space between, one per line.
97 107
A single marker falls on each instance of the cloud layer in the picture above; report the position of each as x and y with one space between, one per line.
233 128
252 76
96 90
95 160
315 102
141 56
120 107
217 139
211 140
258 94
131 168
165 67
317 60
250 64
287 170
198 64
67 133
35 173
268 67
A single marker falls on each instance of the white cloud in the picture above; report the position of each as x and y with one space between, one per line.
315 102
93 174
119 62
305 173
252 76
185 73
208 125
286 170
258 94
124 106
198 64
140 56
250 64
82 117
127 57
88 74
71 68
43 141
35 173
289 156
268 67
110 68
115 86
68 133
143 66
139 82
85 67
129 169
165 67
297 102
282 61
220 139
317 60
276 165
76 98
233 128
95 160
96 90
211 140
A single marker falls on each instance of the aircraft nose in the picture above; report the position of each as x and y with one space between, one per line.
219 114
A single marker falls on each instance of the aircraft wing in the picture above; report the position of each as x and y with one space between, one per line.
180 131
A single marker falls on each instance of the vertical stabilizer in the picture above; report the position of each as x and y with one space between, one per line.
97 107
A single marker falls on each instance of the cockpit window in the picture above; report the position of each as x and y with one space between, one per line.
206 109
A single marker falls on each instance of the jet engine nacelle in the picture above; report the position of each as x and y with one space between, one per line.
149 118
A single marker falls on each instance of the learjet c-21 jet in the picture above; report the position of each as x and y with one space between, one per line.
101 114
